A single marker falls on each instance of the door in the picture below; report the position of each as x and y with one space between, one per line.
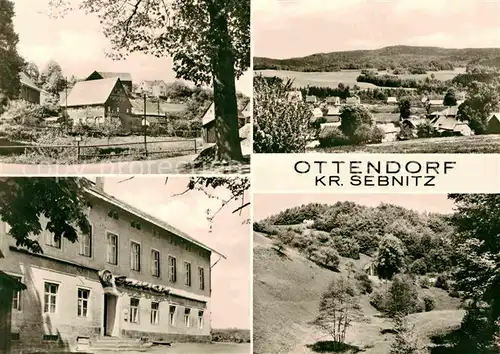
110 313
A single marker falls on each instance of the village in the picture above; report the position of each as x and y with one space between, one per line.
112 104
386 116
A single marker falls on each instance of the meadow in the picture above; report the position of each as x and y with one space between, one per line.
347 77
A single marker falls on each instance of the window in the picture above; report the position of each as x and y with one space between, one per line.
112 249
187 269
134 310
187 312
172 269
171 315
135 256
155 263
50 297
83 302
200 319
51 240
16 300
201 273
155 313
86 244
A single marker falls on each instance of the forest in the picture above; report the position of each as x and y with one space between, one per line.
410 59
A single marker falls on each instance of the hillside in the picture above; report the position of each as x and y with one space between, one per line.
287 291
416 59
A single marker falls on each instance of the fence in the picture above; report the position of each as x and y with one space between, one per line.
80 152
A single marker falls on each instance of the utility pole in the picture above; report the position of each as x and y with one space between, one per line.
66 99
158 104
144 122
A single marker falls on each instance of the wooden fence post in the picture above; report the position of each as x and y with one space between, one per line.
195 148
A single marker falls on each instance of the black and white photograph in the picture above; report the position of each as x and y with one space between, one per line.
376 273
134 87
125 264
373 76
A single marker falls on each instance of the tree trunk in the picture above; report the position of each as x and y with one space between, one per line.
225 104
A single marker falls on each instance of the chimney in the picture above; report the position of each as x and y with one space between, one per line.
99 183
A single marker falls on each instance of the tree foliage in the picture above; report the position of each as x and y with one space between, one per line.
450 98
11 63
280 125
52 79
24 201
482 99
390 257
404 107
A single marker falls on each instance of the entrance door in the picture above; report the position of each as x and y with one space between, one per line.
110 313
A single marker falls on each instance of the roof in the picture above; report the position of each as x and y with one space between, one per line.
333 111
209 114
332 99
245 131
449 111
93 92
388 128
446 123
415 121
435 102
327 128
26 81
392 99
109 75
155 221
317 112
386 117
494 114
9 282
311 98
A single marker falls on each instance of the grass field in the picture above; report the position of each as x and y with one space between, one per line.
286 297
347 77
487 144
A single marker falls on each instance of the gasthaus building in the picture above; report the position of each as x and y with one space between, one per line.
134 278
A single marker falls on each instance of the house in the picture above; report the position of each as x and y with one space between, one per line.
390 131
317 112
447 112
294 96
311 99
247 113
98 101
29 91
208 123
154 88
392 100
371 269
450 125
493 123
332 114
333 100
134 276
353 100
125 78
386 117
414 122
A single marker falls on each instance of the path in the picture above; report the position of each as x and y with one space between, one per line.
161 166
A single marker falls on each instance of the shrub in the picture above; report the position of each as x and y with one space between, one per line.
332 136
429 303
346 247
364 283
25 113
377 135
326 257
362 134
418 267
426 130
425 283
378 300
442 282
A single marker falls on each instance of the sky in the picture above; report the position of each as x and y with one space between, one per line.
230 236
77 43
265 205
294 28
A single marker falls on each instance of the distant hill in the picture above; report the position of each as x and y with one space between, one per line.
415 59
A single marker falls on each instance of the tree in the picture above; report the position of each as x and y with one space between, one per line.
283 239
32 71
280 125
402 297
405 341
52 78
450 98
483 98
11 63
209 42
338 308
60 200
111 127
390 258
477 276
404 108
355 121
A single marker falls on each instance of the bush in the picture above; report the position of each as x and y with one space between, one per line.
326 257
377 135
25 113
378 300
425 283
418 267
442 282
346 247
429 303
364 283
332 137
362 134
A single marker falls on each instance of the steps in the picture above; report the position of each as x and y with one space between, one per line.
117 344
